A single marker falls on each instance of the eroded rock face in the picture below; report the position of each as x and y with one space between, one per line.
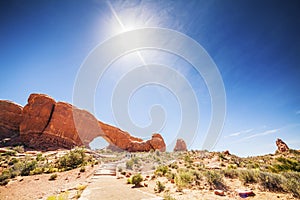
281 146
10 119
125 141
46 124
180 145
36 114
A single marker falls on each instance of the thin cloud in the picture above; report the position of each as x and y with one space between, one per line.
240 132
298 112
268 132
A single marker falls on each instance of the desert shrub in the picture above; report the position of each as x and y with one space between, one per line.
295 152
157 152
188 159
27 167
13 161
4 177
291 183
72 160
135 160
9 153
160 187
222 156
170 175
62 196
161 170
231 173
248 176
285 164
82 169
197 175
168 197
39 157
19 149
53 177
137 179
252 166
173 165
129 164
183 179
49 170
232 166
129 181
270 181
214 179
37 170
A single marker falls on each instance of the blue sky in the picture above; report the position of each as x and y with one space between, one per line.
254 44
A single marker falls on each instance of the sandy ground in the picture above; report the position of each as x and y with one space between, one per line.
39 187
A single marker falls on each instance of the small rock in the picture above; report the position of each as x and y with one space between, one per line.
245 193
145 184
227 152
219 192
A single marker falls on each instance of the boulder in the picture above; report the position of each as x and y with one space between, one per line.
180 145
10 119
281 146
219 192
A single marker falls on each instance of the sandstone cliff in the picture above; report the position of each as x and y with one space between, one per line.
46 124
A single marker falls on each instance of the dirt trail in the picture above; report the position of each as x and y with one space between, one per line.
105 185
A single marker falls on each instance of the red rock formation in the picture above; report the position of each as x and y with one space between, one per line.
180 145
46 124
282 147
10 119
226 152
36 114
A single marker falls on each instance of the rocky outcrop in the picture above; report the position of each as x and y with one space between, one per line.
10 119
180 145
281 146
47 124
36 114
123 140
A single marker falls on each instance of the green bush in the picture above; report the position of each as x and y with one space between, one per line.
291 183
248 176
37 170
285 164
82 169
272 182
188 159
183 179
173 165
137 179
72 160
214 179
4 177
27 167
9 153
161 170
129 181
13 161
53 177
129 164
231 173
39 157
159 187
168 197
19 149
